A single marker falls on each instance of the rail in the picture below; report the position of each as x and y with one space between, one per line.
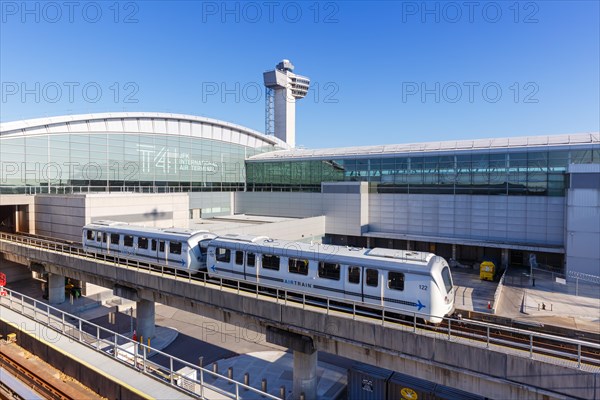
117 346
31 379
556 349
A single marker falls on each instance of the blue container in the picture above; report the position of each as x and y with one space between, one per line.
366 382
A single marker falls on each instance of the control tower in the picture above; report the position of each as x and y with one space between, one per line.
283 88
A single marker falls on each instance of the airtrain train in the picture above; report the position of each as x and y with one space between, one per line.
402 281
174 247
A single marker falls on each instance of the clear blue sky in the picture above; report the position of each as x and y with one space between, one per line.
369 64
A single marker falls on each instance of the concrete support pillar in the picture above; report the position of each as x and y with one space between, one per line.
505 258
56 289
453 251
145 319
305 375
408 245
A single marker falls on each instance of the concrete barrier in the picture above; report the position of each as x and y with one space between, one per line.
498 292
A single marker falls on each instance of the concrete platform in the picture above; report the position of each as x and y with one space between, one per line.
136 382
277 368
573 306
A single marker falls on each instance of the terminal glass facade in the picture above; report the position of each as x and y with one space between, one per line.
515 172
73 163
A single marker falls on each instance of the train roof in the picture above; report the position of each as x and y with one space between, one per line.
414 260
167 233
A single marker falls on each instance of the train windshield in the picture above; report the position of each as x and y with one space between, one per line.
447 279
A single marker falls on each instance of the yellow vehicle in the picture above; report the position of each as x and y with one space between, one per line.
487 271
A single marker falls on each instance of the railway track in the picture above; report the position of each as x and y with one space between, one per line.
470 329
44 387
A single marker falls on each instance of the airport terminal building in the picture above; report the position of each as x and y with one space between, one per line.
507 199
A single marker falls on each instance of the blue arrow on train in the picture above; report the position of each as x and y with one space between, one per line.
420 305
213 268
182 262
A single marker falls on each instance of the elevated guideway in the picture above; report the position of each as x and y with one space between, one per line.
109 364
487 361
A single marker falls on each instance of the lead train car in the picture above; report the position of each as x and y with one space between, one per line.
406 282
173 247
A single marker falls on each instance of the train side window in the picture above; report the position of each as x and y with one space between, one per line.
270 262
329 271
153 244
175 247
239 257
99 236
223 255
114 238
396 280
90 235
353 274
143 243
128 241
161 246
372 277
105 237
298 266
250 259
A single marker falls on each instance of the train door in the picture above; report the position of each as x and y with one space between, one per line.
372 286
162 254
98 243
174 256
353 287
103 236
250 269
113 243
142 246
154 249
238 269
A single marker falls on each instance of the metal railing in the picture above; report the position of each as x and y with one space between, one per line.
563 350
123 349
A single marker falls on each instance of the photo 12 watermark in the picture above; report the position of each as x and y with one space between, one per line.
253 12
470 92
452 12
254 92
69 92
53 12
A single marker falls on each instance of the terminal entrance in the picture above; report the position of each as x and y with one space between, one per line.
464 255
14 218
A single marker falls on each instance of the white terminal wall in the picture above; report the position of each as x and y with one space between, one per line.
63 217
583 223
514 219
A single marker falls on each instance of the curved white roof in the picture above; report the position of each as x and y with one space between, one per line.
141 122
433 147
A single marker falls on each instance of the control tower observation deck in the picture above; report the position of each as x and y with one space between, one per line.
283 88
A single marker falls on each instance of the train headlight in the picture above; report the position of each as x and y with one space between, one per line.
447 300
